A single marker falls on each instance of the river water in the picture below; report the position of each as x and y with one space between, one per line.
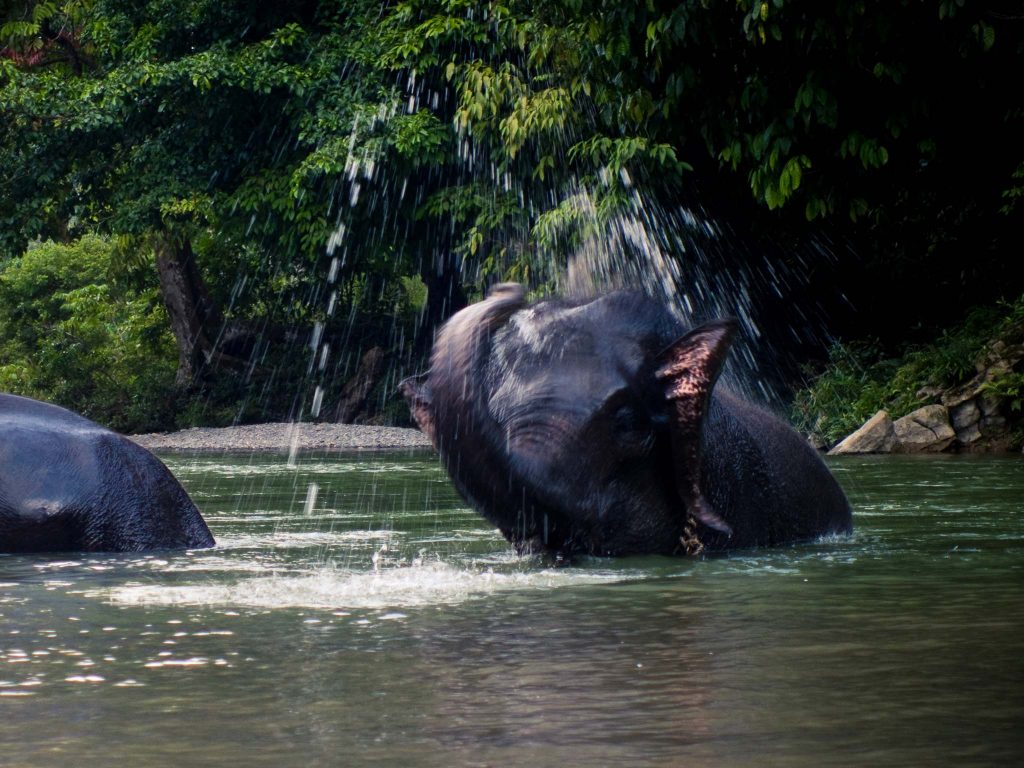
356 613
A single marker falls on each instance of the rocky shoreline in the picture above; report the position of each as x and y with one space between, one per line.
963 419
285 438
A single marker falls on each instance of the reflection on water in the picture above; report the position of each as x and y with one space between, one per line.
376 621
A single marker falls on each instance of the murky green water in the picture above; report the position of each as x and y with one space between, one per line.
354 613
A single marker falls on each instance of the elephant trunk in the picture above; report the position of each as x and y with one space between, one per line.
470 442
463 345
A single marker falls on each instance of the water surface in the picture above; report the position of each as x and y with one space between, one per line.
356 613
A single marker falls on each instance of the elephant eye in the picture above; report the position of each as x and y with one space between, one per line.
626 418
634 431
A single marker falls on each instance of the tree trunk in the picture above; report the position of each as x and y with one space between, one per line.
195 320
357 389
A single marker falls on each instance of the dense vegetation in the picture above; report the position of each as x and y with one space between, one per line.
861 378
71 332
311 186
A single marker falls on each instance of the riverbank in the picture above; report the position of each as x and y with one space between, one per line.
963 392
285 437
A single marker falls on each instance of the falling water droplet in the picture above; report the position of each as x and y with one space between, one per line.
293 445
311 494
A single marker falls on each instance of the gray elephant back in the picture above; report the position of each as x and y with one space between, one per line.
765 479
67 484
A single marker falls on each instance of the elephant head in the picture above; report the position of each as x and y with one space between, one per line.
576 426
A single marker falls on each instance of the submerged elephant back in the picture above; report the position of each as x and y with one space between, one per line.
765 479
145 506
68 484
47 487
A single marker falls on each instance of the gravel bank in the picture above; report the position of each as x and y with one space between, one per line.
285 438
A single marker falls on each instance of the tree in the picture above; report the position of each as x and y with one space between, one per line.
199 130
71 333
848 116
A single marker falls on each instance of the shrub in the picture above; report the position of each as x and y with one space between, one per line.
72 334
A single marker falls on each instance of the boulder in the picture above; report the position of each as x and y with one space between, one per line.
965 419
955 397
991 424
969 436
995 433
965 415
979 426
926 430
876 435
989 405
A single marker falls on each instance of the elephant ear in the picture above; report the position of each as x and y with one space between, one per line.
688 370
417 394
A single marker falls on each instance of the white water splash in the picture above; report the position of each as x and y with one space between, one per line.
265 466
435 583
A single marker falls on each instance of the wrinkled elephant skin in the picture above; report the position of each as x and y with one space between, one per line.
595 426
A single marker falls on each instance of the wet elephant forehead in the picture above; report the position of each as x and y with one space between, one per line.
567 344
568 389
519 399
550 372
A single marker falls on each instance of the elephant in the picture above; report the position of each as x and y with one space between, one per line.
69 485
594 426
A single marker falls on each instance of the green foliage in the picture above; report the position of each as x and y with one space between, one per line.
1009 387
255 116
852 388
420 138
768 89
257 134
846 115
1015 192
814 109
72 335
1010 384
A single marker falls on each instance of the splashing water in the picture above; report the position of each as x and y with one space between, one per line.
416 585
